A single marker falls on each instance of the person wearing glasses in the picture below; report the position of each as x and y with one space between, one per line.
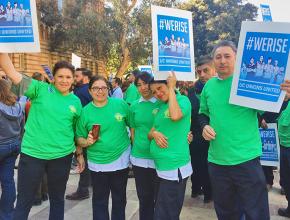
108 151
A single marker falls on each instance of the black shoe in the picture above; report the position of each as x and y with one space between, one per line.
37 202
44 197
284 212
77 196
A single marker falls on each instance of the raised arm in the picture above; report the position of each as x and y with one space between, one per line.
8 68
174 108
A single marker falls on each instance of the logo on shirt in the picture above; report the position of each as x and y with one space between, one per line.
50 89
155 111
167 114
72 109
119 117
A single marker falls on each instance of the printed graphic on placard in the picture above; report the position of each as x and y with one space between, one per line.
18 27
146 68
174 48
270 146
172 37
263 65
15 22
266 12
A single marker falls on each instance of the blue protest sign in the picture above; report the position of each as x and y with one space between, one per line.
146 68
262 65
270 146
172 43
18 26
266 12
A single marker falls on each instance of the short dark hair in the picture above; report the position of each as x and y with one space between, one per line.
63 65
204 60
118 80
157 81
224 43
37 76
144 76
97 78
85 72
136 72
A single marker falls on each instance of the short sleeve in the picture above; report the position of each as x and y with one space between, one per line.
184 105
132 116
203 109
81 130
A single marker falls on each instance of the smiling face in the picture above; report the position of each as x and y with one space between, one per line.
144 89
224 61
160 91
99 91
63 80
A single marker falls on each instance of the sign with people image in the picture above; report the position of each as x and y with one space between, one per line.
18 27
262 65
172 43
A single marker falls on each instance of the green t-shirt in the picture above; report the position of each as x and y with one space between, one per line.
142 116
113 136
131 94
237 135
49 130
177 152
284 127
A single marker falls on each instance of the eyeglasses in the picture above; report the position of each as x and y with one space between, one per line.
97 89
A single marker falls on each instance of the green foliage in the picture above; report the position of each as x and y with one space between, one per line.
214 20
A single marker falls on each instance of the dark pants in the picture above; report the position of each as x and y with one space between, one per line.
285 171
170 199
8 155
146 181
85 177
42 189
30 173
239 188
268 172
104 183
200 178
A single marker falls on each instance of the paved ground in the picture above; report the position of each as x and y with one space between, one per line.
193 209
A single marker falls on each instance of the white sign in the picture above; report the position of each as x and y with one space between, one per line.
172 43
76 60
19 27
262 64
270 146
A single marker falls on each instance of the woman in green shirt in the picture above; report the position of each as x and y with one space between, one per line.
169 148
142 113
48 140
108 154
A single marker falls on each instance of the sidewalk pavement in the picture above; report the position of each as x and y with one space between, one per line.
193 209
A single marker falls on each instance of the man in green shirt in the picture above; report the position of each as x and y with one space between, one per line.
284 135
238 181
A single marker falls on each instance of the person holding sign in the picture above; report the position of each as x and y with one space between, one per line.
48 141
169 148
102 130
238 181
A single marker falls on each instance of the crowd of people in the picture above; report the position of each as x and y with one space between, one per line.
167 131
